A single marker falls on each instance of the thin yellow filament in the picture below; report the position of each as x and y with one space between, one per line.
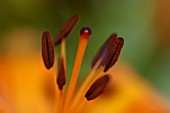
85 86
78 108
81 106
63 52
60 106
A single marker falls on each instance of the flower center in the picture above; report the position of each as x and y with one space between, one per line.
96 81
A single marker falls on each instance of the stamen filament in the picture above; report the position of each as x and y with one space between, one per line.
78 108
60 106
81 106
63 52
86 84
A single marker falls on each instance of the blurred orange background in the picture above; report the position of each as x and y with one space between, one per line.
144 24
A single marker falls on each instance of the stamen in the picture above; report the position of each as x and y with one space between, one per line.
66 29
47 50
113 52
102 52
61 80
97 88
84 87
61 75
85 33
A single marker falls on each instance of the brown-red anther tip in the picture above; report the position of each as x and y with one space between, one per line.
47 50
97 87
101 53
113 52
85 31
61 77
66 29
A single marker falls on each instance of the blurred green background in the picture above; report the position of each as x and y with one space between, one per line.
144 24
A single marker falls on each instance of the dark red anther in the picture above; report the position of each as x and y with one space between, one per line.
113 52
61 79
47 50
97 87
102 51
66 29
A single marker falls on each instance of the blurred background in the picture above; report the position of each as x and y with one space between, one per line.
144 24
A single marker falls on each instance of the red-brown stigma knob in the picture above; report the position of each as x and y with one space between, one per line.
85 32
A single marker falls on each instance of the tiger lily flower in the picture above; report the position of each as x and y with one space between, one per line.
106 89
